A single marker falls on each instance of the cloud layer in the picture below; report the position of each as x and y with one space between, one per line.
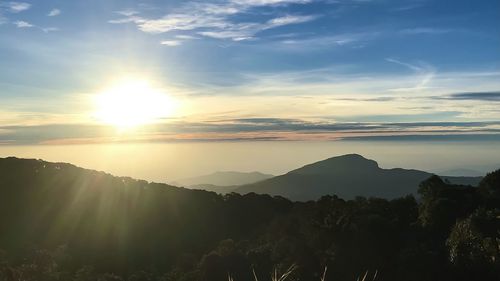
250 129
476 96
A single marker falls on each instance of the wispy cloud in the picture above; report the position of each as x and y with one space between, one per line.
178 40
171 43
425 30
127 12
49 29
23 24
408 6
245 31
180 22
128 19
15 7
250 3
413 67
290 19
326 41
54 12
213 19
11 7
185 37
424 74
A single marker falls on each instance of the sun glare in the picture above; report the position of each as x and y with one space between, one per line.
131 103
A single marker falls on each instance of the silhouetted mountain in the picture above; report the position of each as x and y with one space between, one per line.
228 178
346 176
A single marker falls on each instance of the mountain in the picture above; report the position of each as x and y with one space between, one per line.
346 176
462 173
228 178
215 188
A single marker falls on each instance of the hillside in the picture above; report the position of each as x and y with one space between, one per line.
347 176
118 222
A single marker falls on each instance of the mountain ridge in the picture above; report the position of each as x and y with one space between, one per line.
224 179
347 176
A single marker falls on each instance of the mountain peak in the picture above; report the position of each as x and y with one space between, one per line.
348 163
351 156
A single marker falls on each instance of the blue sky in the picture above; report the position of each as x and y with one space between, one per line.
253 69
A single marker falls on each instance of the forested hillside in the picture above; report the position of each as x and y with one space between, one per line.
61 222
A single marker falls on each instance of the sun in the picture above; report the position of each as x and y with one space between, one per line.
132 102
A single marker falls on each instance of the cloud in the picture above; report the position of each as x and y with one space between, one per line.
408 65
185 37
54 12
425 30
219 27
127 12
246 31
407 7
286 20
429 137
235 35
23 24
128 19
379 99
474 96
249 129
254 3
171 43
424 74
179 40
321 42
49 29
180 22
214 19
15 7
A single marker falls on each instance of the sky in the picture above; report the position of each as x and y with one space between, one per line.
248 70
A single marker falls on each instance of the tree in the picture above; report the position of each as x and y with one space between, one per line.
473 244
443 203
490 189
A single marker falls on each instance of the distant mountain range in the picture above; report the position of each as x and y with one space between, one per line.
224 179
347 176
462 173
